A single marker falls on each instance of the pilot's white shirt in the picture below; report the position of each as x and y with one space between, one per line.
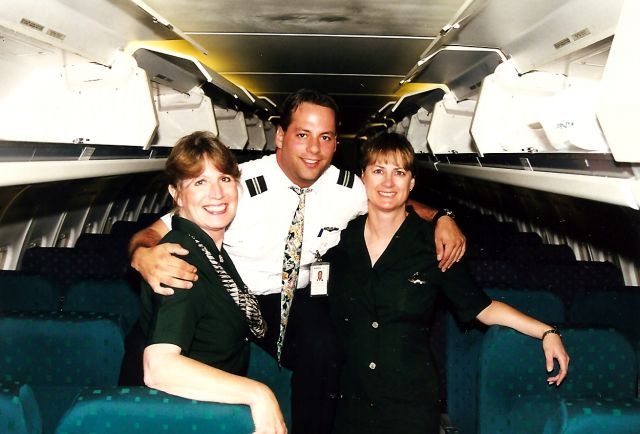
255 239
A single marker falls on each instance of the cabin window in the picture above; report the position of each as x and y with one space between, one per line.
3 256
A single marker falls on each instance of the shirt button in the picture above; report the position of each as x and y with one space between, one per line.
374 324
372 365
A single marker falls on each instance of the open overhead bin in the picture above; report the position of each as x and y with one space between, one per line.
220 106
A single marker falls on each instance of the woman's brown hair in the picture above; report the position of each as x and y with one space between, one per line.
388 146
187 158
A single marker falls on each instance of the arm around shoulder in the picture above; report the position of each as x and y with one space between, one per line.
157 263
450 241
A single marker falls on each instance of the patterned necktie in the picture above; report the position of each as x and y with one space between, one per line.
291 265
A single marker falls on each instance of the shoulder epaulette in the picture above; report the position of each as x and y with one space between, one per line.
346 178
256 185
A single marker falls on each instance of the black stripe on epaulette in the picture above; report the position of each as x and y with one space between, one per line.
256 185
346 178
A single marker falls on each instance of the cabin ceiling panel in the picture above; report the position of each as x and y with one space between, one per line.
354 17
355 107
312 54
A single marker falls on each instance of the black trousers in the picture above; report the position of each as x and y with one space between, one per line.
311 351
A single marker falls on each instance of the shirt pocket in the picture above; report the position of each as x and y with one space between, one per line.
415 294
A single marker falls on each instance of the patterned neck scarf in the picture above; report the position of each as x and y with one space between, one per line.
247 302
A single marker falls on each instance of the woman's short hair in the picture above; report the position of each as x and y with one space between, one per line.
388 147
187 158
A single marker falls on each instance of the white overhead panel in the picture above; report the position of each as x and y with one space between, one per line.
183 72
180 114
617 109
97 29
255 131
536 112
232 130
270 134
449 129
533 33
418 129
461 69
402 126
81 103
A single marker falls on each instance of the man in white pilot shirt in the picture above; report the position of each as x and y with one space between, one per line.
306 142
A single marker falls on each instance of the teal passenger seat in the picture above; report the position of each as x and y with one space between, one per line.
58 354
513 394
595 416
147 411
463 350
19 412
25 291
116 296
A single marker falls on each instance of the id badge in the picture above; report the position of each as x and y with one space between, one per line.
319 278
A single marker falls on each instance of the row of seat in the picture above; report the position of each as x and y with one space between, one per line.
466 344
495 379
509 247
60 372
22 291
65 291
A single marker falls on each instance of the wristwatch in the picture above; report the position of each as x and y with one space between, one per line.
443 212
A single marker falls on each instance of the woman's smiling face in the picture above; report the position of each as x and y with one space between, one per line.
209 200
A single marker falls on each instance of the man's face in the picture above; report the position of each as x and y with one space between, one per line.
305 149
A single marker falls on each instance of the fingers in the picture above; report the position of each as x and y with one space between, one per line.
450 243
563 361
175 249
452 252
555 351
161 267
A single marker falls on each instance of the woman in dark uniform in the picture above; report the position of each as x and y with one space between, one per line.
198 338
384 282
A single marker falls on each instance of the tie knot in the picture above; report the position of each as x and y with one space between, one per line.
299 191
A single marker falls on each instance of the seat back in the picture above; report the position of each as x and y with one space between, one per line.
19 413
64 266
595 416
60 349
21 291
140 409
114 296
513 394
463 349
264 368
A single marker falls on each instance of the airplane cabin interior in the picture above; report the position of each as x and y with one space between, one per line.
523 119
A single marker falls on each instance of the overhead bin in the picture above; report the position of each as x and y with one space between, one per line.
413 114
221 105
450 124
461 69
534 33
537 112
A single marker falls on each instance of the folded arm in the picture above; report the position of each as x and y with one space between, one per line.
498 313
167 370
158 264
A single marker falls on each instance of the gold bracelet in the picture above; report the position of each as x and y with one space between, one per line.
553 331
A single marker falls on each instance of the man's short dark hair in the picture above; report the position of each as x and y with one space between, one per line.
295 99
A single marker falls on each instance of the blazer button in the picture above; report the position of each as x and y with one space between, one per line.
372 365
375 324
